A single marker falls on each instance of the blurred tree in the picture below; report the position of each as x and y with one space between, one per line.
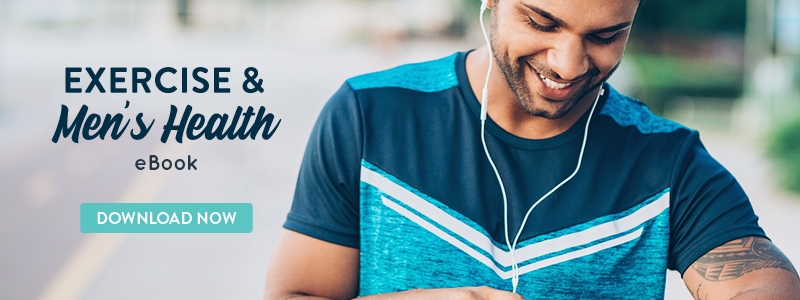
183 12
784 148
677 16
691 17
688 48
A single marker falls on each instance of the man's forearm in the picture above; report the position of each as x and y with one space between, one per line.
764 295
745 268
465 293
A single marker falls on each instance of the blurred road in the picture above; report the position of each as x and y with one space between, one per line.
43 252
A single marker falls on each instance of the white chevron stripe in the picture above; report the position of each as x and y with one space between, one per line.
438 232
483 242
431 211
582 252
595 233
489 263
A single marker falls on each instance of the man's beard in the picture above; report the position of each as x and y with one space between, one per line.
520 83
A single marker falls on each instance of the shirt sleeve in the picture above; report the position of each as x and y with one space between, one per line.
709 208
326 197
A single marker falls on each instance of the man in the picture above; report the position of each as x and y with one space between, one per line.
396 198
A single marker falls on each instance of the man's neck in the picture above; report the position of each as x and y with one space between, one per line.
504 108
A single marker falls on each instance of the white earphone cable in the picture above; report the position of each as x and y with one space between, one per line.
577 168
484 99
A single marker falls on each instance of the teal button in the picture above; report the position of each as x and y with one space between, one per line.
167 217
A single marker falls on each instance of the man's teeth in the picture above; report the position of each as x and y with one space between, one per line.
552 84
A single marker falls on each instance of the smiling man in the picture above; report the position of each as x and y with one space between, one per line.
567 190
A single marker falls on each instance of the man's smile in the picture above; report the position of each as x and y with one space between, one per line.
551 89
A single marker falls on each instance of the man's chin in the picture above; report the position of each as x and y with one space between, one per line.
547 108
540 106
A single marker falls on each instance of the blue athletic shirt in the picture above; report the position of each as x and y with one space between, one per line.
395 167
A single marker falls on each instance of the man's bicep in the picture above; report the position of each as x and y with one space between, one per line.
742 266
302 265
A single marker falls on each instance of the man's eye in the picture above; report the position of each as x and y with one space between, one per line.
538 27
606 35
604 38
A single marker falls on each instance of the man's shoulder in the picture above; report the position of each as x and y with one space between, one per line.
629 112
430 76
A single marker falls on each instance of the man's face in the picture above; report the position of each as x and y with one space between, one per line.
555 52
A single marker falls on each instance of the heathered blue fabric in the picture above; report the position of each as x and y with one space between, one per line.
629 112
587 225
432 76
398 254
460 217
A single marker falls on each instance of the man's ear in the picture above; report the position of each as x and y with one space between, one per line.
489 4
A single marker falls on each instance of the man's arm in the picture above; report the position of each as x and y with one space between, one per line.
303 267
746 268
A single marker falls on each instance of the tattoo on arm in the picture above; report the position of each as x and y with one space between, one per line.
696 294
739 257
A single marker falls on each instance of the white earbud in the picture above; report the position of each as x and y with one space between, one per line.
485 92
484 104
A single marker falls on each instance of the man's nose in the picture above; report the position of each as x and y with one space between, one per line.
568 58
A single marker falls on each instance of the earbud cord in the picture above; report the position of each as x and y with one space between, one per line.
578 167
484 99
512 247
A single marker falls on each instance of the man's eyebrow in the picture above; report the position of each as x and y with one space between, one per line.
545 14
561 23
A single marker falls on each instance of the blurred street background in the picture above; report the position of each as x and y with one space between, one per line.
727 68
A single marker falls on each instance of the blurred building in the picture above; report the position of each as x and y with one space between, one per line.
772 92
335 20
